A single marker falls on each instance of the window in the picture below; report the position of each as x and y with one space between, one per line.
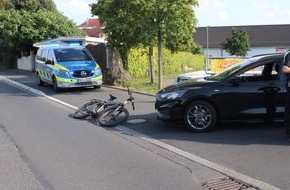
43 55
71 54
268 71
50 56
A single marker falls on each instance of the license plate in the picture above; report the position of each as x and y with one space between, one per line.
83 80
83 83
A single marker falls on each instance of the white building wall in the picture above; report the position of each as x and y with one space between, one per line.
26 63
217 52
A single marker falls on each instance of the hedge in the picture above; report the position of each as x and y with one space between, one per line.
138 62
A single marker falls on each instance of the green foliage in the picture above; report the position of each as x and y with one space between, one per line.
196 49
135 22
173 63
33 5
138 62
129 24
238 44
5 4
20 29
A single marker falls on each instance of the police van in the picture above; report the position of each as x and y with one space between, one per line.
66 65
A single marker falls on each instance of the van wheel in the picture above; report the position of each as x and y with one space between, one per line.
38 79
54 85
97 87
200 116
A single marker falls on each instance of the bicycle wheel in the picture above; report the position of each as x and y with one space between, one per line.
86 110
113 117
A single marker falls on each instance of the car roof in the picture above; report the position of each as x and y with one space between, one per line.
269 55
62 47
262 57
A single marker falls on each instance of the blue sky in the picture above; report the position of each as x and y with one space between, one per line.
209 12
242 12
77 10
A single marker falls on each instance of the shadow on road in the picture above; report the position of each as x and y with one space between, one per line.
238 133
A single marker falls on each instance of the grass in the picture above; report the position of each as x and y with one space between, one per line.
144 85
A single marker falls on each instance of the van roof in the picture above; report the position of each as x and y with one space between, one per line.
61 41
69 40
56 46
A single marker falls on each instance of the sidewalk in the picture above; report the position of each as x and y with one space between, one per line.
15 172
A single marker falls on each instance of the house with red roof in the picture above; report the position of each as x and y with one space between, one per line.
92 27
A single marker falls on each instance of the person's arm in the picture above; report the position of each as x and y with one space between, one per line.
286 69
286 63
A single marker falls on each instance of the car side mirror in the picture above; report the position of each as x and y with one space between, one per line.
237 79
49 62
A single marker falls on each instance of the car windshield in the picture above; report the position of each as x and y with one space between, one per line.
232 69
71 54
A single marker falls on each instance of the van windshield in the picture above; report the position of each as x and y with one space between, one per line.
71 54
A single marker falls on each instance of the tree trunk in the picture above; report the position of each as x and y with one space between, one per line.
116 74
151 64
160 68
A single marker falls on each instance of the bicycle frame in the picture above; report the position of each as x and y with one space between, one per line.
117 106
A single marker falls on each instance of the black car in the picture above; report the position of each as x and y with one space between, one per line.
249 90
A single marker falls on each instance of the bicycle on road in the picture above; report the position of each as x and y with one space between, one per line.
93 108
117 113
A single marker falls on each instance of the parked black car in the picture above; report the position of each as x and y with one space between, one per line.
249 90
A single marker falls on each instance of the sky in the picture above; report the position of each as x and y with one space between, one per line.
208 13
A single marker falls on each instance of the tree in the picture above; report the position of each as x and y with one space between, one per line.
5 4
166 23
33 5
238 44
20 29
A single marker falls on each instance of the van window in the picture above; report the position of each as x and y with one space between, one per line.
50 56
71 54
38 55
43 55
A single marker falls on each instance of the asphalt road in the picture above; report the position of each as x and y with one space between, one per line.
259 151
59 152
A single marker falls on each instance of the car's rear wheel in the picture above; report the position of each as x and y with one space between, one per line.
38 79
200 116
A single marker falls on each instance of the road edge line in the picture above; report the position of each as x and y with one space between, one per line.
35 91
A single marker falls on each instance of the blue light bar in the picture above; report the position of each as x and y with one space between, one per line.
61 41
75 44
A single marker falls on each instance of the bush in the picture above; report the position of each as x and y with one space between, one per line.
138 62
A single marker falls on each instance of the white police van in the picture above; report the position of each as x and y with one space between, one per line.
66 65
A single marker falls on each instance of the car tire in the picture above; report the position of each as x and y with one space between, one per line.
97 87
200 116
38 79
54 84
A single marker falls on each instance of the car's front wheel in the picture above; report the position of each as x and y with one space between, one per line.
54 85
200 116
